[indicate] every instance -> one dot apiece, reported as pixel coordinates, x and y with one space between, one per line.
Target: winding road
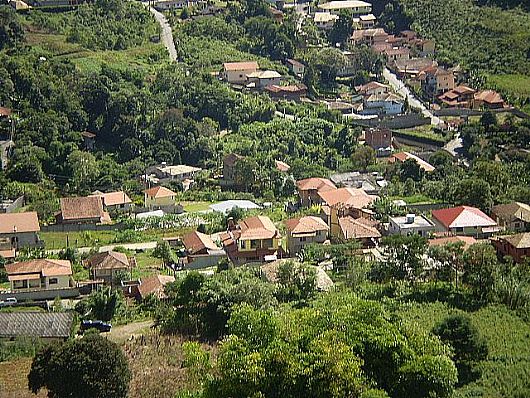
166 36
403 90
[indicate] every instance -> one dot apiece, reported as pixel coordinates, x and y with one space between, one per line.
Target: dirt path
121 333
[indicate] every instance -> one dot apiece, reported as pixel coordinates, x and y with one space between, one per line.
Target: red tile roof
82 208
304 225
353 197
114 198
196 241
44 266
236 66
154 285
462 216
282 166
5 111
489 97
19 222
258 227
108 260
159 192
358 228
315 183
467 240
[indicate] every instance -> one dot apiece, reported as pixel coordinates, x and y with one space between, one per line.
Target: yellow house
159 197
253 239
40 274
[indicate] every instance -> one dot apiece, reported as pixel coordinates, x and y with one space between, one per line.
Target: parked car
8 301
99 325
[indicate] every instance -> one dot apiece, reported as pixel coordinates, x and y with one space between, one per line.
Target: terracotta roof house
262 79
200 251
236 72
464 220
459 97
402 156
82 210
352 197
114 200
164 173
488 99
18 230
154 285
437 80
466 240
303 231
360 229
45 326
516 246
309 188
513 216
107 265
160 196
39 274
372 88
254 239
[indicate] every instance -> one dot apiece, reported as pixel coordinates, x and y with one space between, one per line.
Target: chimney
410 218
231 224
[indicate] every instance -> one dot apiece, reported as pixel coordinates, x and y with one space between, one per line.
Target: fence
82 227
42 294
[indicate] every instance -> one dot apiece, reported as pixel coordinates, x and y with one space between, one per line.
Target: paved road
129 246
166 35
403 90
454 147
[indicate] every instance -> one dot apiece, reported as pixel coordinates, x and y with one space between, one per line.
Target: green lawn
191 207
59 240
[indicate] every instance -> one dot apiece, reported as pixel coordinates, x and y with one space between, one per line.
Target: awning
488 230
23 277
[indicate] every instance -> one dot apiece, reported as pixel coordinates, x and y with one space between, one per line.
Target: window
254 244
52 281
459 229
267 243
303 239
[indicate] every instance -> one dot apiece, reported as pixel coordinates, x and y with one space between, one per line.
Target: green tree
362 157
469 347
85 368
404 257
101 304
295 281
83 169
474 192
11 30
480 266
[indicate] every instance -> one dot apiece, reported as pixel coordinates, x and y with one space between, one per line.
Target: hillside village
302 198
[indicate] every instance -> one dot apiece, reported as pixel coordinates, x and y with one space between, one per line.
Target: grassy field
519 85
424 132
191 207
148 57
58 240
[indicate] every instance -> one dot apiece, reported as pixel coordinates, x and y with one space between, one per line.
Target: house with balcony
39 274
325 20
309 189
108 266
254 239
303 231
355 7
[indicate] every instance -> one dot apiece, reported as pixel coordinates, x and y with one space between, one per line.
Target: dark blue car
99 325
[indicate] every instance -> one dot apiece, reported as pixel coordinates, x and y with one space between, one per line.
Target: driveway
166 36
414 103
